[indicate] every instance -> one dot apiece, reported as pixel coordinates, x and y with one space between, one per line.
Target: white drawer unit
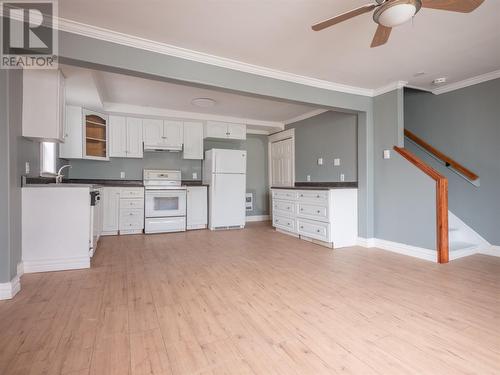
313 229
131 193
284 208
310 214
284 194
165 224
285 223
132 203
314 212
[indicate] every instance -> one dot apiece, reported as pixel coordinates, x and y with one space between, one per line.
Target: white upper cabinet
72 148
134 137
117 137
225 130
43 105
193 140
173 133
163 134
125 135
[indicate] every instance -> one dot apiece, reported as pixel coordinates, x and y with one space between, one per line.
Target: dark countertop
319 186
101 182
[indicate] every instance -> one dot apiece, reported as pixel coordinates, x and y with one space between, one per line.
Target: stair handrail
449 162
442 241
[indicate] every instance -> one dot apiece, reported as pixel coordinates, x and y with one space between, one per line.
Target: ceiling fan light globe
397 15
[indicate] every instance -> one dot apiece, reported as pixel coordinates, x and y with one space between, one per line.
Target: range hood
161 148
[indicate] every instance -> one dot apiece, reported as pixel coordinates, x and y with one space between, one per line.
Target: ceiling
276 34
99 89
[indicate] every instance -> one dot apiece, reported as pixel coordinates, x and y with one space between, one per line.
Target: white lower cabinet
328 216
123 210
196 210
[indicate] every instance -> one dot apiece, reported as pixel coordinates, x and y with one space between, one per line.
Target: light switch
342 177
336 162
122 174
27 167
387 154
195 176
320 161
308 178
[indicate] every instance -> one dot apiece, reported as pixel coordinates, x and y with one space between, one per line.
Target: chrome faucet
60 176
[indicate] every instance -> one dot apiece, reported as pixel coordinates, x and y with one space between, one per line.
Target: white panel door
281 163
110 209
230 161
72 148
227 206
237 131
134 138
193 140
152 131
117 137
173 133
216 129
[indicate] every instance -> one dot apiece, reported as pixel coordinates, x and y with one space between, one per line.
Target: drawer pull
318 211
317 196
301 195
301 227
288 208
302 209
317 230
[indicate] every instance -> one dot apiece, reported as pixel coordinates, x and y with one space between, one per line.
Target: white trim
492 250
280 136
306 115
257 131
137 110
467 82
10 289
20 269
257 218
400 248
184 53
31 266
390 87
276 137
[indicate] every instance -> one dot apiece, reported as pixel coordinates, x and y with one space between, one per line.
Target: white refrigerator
225 173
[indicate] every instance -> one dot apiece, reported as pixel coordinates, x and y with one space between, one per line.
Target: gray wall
405 197
257 169
10 181
133 167
328 135
464 124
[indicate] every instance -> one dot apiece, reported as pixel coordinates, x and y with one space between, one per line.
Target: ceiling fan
391 13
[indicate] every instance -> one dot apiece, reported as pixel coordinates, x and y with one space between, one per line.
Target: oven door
165 203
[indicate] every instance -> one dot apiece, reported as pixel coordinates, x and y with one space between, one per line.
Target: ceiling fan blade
381 36
462 6
344 16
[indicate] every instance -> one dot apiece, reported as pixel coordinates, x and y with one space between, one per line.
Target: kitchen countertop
319 186
80 182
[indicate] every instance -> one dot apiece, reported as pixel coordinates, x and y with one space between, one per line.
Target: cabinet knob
317 196
317 230
318 211
301 209
301 227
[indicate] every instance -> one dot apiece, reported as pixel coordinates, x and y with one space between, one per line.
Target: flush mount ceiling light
390 13
397 12
203 102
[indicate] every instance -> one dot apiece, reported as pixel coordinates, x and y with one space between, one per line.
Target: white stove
164 201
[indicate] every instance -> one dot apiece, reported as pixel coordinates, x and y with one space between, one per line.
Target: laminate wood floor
253 302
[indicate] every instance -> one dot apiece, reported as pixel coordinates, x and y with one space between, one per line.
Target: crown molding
390 87
467 82
306 115
137 110
167 49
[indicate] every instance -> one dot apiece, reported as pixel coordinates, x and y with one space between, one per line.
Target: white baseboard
492 250
32 266
257 218
400 248
20 269
10 289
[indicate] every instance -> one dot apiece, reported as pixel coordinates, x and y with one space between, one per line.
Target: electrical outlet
308 178
195 176
122 174
336 162
342 177
387 154
320 161
27 167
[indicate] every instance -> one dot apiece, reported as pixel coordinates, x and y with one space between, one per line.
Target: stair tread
460 245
